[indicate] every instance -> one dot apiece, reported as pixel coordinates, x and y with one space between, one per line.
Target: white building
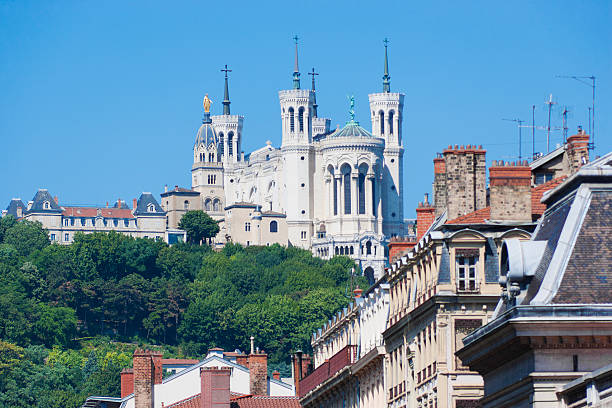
338 192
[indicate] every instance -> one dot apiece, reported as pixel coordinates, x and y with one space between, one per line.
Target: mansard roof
39 200
14 205
145 201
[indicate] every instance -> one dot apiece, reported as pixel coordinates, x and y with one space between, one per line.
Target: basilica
334 192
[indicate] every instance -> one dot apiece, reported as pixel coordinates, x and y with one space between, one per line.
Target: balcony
344 358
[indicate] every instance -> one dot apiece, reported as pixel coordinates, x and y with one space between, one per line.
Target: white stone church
335 192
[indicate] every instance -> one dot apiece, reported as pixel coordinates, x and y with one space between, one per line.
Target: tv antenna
550 103
581 79
519 123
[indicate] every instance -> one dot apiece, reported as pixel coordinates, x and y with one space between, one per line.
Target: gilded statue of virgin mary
206 103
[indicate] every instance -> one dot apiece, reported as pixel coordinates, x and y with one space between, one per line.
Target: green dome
352 129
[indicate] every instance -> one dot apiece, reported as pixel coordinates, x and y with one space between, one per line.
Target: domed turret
206 147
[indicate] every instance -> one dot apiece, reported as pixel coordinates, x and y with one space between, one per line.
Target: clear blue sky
100 100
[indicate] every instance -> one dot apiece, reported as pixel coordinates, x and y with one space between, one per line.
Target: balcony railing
345 357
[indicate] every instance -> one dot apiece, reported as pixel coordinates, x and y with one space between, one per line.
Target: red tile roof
242 401
265 401
191 402
476 217
537 208
92 212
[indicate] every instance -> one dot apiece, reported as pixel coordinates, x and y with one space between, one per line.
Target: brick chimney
258 372
242 359
466 176
144 378
134 204
399 245
296 368
215 387
306 359
510 191
425 217
127 382
439 185
578 150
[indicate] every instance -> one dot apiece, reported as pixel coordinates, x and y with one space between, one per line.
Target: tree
27 236
199 226
6 222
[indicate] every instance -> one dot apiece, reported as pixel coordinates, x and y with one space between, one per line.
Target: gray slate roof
143 203
39 200
13 205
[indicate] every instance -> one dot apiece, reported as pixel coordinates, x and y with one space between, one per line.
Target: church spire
314 93
226 100
386 76
296 70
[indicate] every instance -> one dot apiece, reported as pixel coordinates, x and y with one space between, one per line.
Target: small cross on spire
313 73
296 70
226 100
314 96
386 76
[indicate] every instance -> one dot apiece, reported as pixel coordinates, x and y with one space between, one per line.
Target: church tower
298 158
207 169
386 110
229 130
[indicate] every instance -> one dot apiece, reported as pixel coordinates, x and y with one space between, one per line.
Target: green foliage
198 225
64 309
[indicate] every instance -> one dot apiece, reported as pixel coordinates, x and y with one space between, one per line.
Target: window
369 248
381 116
347 192
303 234
373 196
291 120
230 144
82 222
72 222
335 197
186 205
208 204
151 207
217 205
116 223
362 204
467 260
126 223
66 237
541 178
247 226
221 146
301 118
391 122
93 222
52 237
66 222
46 205
273 226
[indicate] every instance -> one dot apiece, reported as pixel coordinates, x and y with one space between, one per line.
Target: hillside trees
199 226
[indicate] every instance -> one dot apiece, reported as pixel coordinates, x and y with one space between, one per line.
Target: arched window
373 181
151 207
301 118
341 250
361 194
369 248
381 115
217 205
46 205
391 122
346 181
291 120
351 250
186 205
273 226
208 204
230 144
221 146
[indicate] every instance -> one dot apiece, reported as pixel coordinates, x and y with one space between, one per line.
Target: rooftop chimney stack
510 191
426 214
439 185
127 382
145 376
578 150
215 387
466 174
258 371
134 204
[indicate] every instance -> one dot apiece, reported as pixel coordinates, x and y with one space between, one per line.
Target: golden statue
206 103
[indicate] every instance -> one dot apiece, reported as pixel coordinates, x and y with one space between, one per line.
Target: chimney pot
357 292
276 375
456 147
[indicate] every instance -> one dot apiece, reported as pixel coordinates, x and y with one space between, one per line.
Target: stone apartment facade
548 343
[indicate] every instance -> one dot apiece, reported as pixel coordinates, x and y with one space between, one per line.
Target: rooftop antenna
581 79
550 103
565 112
519 123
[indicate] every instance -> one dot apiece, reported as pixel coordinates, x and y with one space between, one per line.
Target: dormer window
46 205
150 208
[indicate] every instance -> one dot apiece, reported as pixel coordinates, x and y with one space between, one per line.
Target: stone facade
510 187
